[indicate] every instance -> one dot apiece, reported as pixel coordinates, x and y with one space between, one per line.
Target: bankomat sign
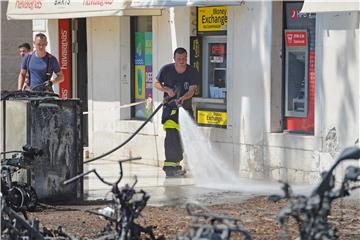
296 39
212 19
297 14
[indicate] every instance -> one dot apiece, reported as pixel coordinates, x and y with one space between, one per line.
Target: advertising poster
148 81
139 48
139 81
139 66
148 48
143 72
65 57
148 64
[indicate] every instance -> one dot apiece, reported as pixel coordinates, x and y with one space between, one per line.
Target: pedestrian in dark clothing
24 49
40 66
178 80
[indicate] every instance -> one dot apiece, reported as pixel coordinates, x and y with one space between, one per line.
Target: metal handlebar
99 177
311 213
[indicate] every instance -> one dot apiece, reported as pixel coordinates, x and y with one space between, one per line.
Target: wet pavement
172 191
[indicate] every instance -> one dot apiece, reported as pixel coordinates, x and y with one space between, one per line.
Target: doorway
81 74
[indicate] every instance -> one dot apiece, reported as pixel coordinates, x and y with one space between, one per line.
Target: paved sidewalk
172 191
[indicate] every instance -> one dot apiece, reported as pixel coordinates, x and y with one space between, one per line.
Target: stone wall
13 33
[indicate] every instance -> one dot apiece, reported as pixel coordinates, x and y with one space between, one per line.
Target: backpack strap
27 69
28 62
49 70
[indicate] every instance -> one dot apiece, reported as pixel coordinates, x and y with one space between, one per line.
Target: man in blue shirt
39 66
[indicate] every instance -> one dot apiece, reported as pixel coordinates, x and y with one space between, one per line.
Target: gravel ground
257 215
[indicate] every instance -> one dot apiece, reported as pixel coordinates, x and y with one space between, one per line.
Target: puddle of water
208 168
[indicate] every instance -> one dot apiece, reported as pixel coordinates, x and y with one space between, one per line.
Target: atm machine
296 73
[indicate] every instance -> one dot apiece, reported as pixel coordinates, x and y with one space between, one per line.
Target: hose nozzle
178 103
168 100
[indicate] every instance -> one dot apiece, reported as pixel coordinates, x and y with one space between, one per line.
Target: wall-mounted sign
296 14
60 9
218 49
65 57
212 19
215 118
216 59
296 38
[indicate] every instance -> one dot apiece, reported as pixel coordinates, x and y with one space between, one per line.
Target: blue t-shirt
38 68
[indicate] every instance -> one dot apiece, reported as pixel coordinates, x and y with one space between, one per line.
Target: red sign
99 3
65 57
28 4
218 49
297 39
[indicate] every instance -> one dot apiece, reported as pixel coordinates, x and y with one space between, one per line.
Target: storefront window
142 65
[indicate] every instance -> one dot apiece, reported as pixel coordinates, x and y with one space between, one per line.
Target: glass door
142 64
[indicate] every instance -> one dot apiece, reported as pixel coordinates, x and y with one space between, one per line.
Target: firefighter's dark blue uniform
180 83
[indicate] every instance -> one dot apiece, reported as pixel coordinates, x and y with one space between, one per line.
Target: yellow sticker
212 19
212 118
140 82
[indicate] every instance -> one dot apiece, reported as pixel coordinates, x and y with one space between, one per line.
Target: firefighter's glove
48 84
179 102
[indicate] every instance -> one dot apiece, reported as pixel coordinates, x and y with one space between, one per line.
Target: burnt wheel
31 199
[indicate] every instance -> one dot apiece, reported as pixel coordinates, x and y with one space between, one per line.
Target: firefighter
177 80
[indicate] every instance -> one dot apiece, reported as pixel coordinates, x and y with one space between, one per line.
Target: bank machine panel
296 73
